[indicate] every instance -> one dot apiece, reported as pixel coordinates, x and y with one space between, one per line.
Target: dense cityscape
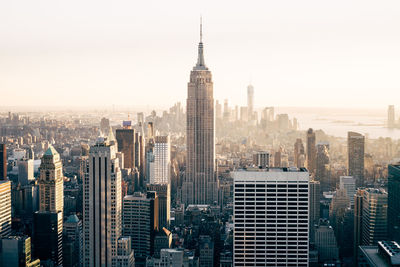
201 184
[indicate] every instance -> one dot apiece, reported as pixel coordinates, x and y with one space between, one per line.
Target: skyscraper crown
201 65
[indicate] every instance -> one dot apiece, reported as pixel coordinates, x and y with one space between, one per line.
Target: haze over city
199 134
295 53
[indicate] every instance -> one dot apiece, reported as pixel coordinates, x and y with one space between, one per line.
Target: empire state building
200 185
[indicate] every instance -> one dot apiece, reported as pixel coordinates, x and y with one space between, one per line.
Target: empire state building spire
200 59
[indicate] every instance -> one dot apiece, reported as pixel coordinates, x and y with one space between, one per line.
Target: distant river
338 122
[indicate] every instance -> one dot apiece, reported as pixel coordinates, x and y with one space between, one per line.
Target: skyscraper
250 101
271 212
261 159
200 185
311 151
140 221
391 120
349 184
394 201
358 219
15 251
299 153
355 149
374 218
314 206
164 202
3 162
102 204
5 208
126 144
51 182
322 170
160 167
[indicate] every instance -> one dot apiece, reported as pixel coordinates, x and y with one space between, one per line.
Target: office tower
126 139
140 221
340 203
322 171
244 114
51 182
311 151
391 121
261 159
271 212
348 183
25 171
394 201
3 162
299 153
206 250
160 168
73 234
314 206
374 216
140 141
250 101
355 149
200 185
102 205
358 220
5 208
325 241
125 256
164 202
16 251
104 125
47 236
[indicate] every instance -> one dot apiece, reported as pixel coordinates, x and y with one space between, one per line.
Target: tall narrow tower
250 101
200 185
51 183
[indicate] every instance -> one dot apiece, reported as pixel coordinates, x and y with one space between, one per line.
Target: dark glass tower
394 202
3 162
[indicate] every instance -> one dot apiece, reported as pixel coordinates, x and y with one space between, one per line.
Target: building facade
5 208
394 201
355 149
271 213
102 204
200 185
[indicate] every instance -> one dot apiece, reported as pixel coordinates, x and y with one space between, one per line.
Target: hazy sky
137 53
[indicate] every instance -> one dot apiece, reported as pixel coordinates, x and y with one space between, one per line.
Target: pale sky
136 53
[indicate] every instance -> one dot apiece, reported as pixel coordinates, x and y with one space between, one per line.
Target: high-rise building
391 120
125 256
73 233
355 149
160 167
126 140
200 185
140 221
250 102
51 182
25 171
3 162
15 251
271 212
5 208
164 202
322 171
374 216
47 236
218 110
348 183
394 201
299 153
206 251
261 159
358 220
325 241
314 206
102 204
311 151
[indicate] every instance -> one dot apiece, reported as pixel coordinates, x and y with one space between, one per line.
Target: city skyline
63 52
